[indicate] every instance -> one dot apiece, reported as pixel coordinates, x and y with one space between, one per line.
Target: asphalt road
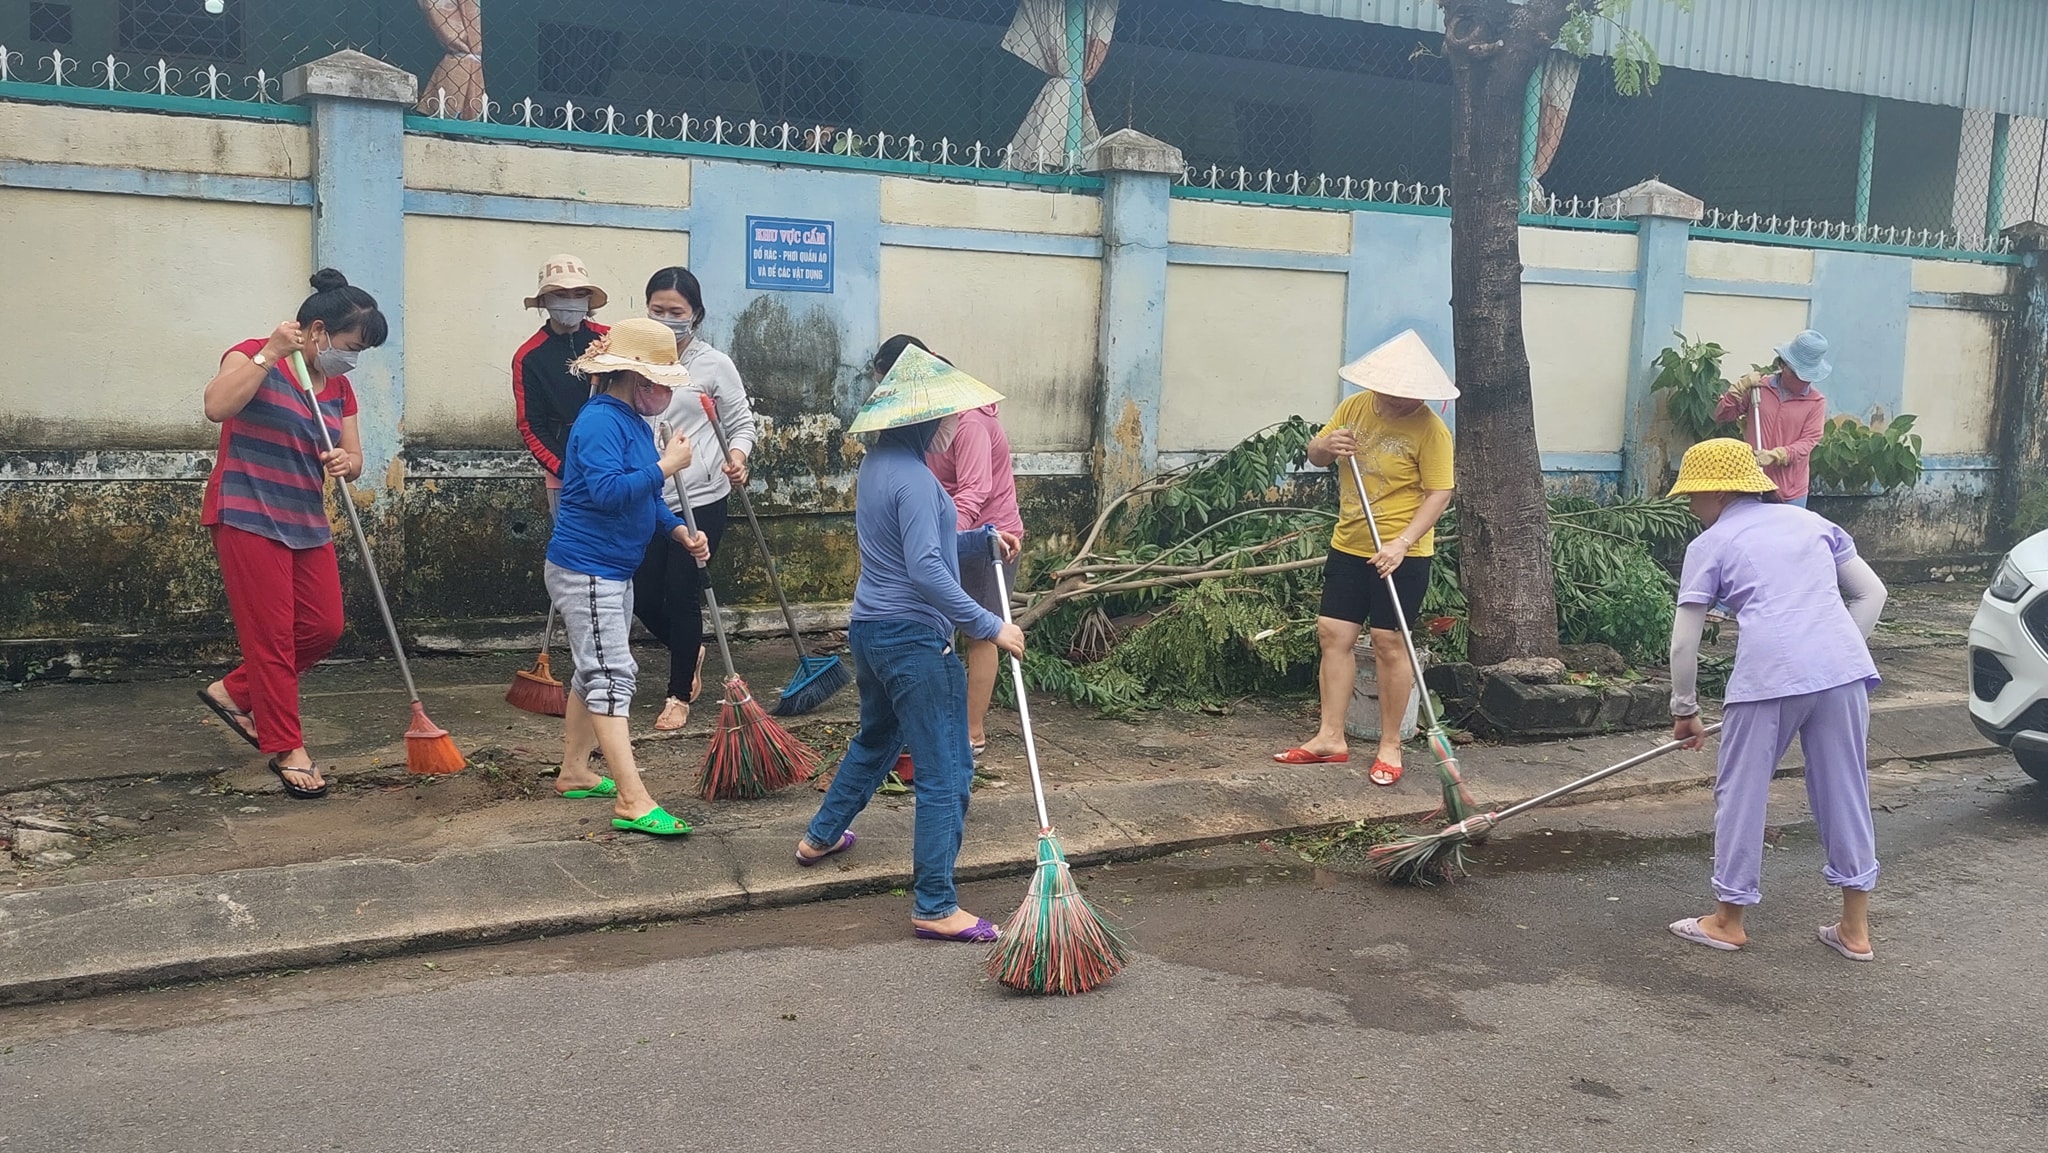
1538 1006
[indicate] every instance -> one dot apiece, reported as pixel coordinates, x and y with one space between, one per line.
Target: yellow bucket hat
1723 464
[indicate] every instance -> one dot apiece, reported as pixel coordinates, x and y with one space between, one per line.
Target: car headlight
2010 584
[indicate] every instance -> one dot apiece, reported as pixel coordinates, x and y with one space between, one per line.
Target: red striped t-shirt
267 478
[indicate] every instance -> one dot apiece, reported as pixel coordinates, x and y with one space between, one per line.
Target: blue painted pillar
1664 218
359 106
1137 174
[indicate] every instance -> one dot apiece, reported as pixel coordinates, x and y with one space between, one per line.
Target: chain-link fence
1257 99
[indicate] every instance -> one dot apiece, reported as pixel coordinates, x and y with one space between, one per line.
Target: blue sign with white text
789 255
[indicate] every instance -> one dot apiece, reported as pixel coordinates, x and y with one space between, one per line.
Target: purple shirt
1774 564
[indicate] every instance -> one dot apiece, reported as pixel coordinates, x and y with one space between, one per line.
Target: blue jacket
611 492
909 549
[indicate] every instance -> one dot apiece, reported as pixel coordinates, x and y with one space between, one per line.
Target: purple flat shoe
982 932
846 840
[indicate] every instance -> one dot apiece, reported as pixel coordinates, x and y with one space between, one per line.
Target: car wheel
2034 765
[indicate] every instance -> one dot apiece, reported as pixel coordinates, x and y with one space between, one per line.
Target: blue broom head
816 681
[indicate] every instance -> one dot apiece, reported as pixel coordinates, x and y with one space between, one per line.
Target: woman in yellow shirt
1404 451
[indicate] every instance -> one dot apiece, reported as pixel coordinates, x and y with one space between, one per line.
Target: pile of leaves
1201 586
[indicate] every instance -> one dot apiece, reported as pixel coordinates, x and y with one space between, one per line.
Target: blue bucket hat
1807 356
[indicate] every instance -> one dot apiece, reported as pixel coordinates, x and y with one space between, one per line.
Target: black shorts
1354 591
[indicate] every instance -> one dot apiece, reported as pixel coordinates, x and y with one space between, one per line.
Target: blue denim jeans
913 691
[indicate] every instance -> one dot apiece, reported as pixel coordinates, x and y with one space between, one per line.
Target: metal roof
1988 54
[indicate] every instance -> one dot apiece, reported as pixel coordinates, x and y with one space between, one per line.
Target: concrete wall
186 233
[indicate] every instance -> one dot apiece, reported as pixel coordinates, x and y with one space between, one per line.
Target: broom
536 690
749 754
1426 859
816 678
1457 803
1055 942
429 750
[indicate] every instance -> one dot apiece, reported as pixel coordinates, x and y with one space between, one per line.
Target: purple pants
1833 726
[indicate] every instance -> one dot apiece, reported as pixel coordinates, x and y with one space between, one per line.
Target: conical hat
1402 367
920 387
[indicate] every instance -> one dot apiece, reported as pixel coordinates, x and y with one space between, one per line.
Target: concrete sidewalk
190 862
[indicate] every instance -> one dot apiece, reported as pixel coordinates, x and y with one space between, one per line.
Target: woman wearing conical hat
906 606
1807 604
1404 451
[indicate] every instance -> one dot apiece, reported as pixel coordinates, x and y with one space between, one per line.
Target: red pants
287 608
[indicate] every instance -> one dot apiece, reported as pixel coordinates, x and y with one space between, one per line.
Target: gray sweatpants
597 616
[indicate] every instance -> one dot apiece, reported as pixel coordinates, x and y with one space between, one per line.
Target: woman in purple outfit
1807 604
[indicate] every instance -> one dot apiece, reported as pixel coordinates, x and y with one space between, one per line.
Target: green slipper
606 787
656 821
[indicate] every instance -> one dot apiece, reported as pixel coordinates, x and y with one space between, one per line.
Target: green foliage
1250 474
1219 640
2030 513
1853 457
1690 377
1634 58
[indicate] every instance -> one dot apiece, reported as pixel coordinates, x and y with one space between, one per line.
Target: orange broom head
536 690
1056 944
750 755
429 750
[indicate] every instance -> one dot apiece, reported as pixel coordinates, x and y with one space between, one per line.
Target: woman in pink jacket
974 467
1793 412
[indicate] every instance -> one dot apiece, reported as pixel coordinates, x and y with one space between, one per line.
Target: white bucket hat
1402 367
1807 356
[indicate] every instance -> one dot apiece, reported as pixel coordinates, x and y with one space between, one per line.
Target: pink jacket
1793 423
975 470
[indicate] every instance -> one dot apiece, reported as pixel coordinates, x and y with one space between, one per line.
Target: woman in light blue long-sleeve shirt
906 606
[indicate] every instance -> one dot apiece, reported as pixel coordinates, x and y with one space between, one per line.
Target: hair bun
328 279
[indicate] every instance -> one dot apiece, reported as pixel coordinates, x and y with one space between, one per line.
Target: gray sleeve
734 407
1862 591
1686 629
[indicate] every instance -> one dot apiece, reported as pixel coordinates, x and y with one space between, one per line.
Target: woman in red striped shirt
266 508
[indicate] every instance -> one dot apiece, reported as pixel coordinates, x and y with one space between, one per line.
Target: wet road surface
1275 1005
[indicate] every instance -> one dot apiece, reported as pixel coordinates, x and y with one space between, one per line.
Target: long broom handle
355 523
710 597
1400 614
1596 778
1756 415
760 538
995 547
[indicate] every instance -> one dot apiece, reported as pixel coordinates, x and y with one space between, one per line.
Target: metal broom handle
1603 774
1400 613
663 434
774 577
355 523
995 548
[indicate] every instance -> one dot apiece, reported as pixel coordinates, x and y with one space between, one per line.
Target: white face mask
566 311
949 427
682 326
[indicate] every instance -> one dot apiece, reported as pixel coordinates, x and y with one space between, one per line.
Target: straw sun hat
564 272
637 345
1723 464
1402 367
920 387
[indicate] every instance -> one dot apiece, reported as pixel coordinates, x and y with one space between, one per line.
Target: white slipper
1689 928
1831 936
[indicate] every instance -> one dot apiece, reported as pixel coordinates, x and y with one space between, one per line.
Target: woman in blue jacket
612 477
906 606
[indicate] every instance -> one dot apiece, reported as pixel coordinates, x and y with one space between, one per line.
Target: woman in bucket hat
1808 604
546 396
906 606
611 504
1404 451
1792 412
266 509
669 588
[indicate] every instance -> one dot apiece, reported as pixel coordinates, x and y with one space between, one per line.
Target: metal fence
1263 103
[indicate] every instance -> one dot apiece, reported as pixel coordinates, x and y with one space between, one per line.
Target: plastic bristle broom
1055 943
536 690
429 750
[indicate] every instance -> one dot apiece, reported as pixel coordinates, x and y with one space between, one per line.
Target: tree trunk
1494 47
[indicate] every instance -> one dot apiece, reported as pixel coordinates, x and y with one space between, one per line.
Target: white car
2009 657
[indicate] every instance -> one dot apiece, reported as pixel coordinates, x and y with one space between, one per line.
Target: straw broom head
750 756
1056 943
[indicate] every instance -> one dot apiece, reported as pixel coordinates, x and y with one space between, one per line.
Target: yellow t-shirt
1402 459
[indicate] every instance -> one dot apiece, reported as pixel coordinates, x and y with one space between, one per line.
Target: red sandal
1299 756
1380 768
